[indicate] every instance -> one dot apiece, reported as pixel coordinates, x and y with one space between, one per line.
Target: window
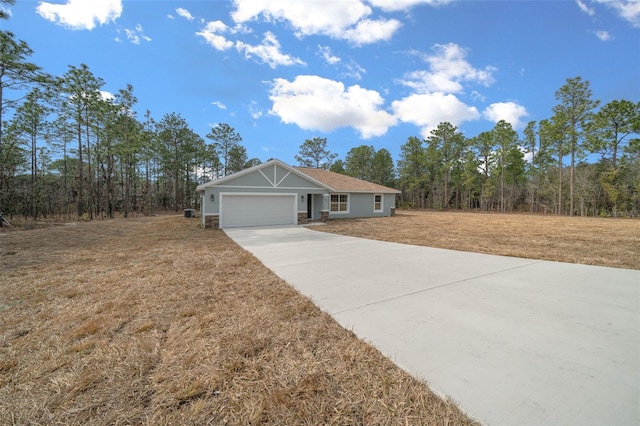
340 203
377 203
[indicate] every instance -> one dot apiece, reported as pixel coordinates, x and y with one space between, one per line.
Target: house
275 193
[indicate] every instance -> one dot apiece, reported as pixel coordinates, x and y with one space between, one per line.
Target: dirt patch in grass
155 321
591 241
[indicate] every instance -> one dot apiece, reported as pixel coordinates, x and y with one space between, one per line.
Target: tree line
68 150
580 161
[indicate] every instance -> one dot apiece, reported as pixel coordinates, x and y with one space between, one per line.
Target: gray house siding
270 180
362 205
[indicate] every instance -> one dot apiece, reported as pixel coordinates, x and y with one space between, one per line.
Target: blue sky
355 72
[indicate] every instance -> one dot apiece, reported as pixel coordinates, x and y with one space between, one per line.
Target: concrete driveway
513 341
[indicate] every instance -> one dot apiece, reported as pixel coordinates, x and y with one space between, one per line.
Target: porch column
324 213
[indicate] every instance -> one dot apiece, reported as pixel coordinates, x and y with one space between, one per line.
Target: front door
309 206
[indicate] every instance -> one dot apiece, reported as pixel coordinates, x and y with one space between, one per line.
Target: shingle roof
331 180
343 183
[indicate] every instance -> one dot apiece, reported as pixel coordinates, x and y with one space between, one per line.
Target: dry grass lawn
155 321
591 241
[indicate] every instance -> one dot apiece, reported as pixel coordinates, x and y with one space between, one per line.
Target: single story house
274 193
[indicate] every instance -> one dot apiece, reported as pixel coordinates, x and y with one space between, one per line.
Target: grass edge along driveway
584 240
156 321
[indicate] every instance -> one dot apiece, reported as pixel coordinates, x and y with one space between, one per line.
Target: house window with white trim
340 203
377 203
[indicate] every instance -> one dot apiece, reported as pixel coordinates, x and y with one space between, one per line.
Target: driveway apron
513 341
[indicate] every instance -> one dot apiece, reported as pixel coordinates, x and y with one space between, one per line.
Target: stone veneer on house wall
302 218
212 221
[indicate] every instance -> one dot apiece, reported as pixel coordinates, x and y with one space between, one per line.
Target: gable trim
275 182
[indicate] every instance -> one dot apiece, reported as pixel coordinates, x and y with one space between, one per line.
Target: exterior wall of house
270 180
275 179
362 205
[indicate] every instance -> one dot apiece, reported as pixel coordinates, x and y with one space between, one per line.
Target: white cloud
586 9
255 110
219 105
184 13
428 110
325 53
477 96
81 14
628 10
603 35
316 103
269 52
136 35
350 69
107 96
511 112
368 31
309 17
211 35
528 155
344 19
395 5
353 70
132 36
448 69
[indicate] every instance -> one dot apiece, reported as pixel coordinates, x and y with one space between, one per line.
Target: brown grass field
585 240
155 321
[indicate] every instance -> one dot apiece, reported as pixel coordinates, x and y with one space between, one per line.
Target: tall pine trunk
80 177
559 212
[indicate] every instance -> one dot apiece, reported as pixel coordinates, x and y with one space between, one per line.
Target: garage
257 209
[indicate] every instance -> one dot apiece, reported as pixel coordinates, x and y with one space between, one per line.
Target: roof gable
272 174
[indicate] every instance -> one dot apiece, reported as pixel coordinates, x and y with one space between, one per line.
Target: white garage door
257 210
